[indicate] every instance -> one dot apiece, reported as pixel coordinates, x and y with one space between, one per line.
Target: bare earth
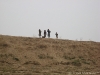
43 56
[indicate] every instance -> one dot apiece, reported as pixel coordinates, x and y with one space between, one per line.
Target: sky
72 19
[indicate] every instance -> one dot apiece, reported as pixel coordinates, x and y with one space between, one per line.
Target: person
48 33
44 33
40 33
56 35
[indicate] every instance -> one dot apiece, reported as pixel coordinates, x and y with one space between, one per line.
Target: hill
46 56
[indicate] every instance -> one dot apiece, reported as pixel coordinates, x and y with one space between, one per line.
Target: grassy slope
48 56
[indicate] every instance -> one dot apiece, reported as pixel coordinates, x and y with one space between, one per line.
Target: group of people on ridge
46 33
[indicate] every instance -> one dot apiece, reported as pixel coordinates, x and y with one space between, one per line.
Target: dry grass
42 56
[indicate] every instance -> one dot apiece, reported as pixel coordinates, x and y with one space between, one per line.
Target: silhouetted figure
48 33
40 33
56 35
45 33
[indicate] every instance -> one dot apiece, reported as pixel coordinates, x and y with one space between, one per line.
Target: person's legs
44 35
48 35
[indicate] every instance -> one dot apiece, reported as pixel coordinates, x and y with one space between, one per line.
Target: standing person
56 35
40 33
44 33
48 33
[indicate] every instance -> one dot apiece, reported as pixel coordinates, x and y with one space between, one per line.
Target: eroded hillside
43 56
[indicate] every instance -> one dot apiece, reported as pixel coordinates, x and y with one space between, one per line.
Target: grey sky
72 19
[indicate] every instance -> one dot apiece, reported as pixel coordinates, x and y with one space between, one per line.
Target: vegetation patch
32 62
15 58
65 63
28 74
73 46
36 63
84 60
55 63
93 62
3 44
68 57
42 46
9 55
42 56
45 56
5 56
76 62
81 57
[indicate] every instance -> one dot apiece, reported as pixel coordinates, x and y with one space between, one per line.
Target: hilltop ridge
47 56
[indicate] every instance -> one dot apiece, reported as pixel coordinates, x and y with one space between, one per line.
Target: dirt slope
39 56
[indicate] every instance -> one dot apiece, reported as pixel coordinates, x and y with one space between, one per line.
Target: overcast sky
72 19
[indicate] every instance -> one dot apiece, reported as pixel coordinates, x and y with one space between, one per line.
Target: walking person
48 33
40 33
56 35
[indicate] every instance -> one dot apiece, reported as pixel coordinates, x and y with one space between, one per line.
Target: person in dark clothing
48 33
40 33
56 35
44 33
